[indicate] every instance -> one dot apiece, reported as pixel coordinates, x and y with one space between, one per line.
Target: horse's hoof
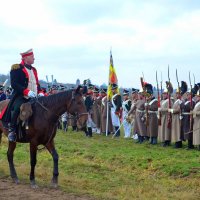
16 180
54 185
34 185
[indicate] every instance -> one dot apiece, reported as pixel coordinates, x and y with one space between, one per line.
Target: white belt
141 111
185 113
150 111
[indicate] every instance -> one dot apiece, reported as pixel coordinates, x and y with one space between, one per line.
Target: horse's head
77 107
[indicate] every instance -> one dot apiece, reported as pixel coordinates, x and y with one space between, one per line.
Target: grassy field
106 168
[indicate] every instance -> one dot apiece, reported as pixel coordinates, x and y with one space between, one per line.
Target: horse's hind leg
11 148
33 155
53 152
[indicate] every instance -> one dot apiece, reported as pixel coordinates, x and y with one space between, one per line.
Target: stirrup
12 137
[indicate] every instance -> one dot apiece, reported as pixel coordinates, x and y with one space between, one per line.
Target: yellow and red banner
112 77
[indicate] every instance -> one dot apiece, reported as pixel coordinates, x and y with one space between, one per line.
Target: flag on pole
112 77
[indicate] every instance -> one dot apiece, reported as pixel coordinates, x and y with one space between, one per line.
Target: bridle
77 115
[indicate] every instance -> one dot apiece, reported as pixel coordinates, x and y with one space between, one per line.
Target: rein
77 116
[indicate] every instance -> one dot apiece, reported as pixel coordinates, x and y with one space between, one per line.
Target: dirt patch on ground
11 191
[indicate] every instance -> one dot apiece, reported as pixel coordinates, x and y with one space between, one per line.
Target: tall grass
106 168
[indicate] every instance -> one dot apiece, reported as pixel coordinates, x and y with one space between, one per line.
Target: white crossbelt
150 111
185 113
141 111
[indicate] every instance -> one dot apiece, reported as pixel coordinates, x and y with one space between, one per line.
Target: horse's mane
54 98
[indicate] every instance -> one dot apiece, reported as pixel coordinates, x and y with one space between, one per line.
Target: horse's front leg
11 148
51 148
33 161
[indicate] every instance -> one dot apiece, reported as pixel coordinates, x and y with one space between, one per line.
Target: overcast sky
72 38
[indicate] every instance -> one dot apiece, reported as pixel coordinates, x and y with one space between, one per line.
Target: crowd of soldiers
170 118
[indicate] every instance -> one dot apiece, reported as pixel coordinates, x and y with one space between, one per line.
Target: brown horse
43 126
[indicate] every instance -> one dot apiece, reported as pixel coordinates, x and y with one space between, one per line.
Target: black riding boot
12 133
89 131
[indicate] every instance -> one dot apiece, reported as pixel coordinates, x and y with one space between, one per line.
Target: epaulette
15 66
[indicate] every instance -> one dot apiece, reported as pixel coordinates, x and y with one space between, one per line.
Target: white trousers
115 118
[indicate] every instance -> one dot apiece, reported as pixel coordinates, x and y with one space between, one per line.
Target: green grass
106 168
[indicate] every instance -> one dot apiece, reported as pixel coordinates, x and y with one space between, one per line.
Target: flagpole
107 114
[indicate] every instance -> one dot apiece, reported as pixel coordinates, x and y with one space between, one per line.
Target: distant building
78 82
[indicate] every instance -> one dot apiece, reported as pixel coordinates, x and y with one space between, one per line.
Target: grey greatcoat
96 112
140 126
152 128
104 116
196 126
176 122
164 133
131 113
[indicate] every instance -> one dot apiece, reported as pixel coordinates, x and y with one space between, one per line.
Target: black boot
166 143
190 145
74 128
117 130
12 133
85 130
154 140
140 139
89 131
151 140
178 144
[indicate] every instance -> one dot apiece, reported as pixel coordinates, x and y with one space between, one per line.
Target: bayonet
177 81
194 79
51 79
191 104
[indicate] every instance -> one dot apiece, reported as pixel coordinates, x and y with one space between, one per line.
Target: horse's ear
82 89
78 89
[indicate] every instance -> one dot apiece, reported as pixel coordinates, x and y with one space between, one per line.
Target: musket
178 83
51 79
48 87
191 104
169 116
146 107
161 85
159 113
5 82
194 79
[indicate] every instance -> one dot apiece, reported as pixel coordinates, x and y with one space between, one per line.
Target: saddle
22 122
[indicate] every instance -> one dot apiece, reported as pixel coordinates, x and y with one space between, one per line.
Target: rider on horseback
24 81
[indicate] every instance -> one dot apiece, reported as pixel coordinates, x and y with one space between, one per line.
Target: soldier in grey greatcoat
139 124
196 126
152 109
104 106
96 110
176 111
164 133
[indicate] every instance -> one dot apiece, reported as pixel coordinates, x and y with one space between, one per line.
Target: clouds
73 38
